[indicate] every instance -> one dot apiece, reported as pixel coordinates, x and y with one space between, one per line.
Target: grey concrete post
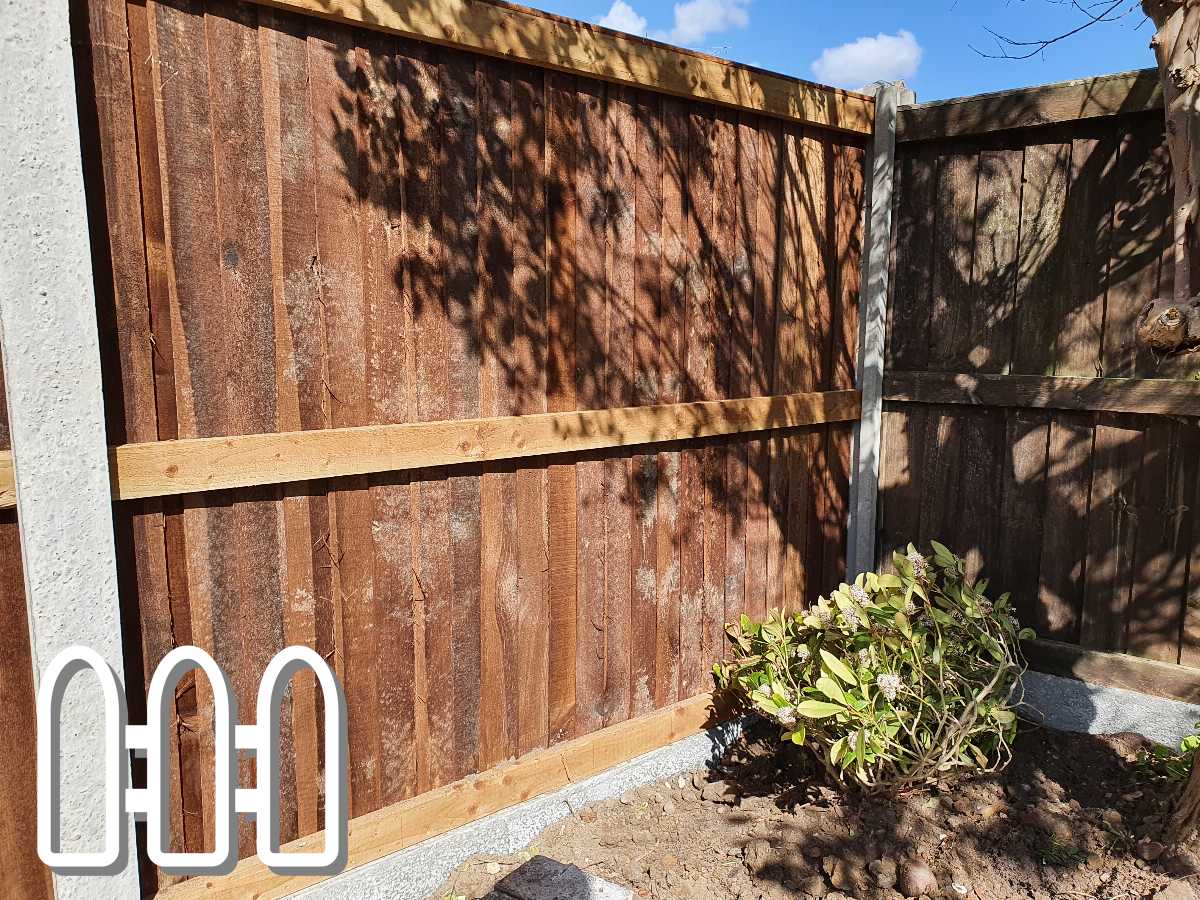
55 411
864 473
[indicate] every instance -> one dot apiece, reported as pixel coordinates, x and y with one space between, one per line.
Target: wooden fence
581 356
1023 426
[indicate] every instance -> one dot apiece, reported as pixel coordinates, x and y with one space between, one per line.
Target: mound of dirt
1071 817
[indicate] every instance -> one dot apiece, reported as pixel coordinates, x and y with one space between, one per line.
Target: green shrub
895 681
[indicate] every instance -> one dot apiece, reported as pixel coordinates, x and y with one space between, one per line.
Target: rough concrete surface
1071 705
56 411
415 873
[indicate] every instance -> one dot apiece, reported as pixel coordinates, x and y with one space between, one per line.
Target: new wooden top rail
541 39
164 468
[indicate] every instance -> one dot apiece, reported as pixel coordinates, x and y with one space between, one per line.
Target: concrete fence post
55 411
864 472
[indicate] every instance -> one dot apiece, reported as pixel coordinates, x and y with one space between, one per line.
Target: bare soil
1073 816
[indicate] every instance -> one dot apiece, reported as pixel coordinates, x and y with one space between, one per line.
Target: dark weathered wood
1119 670
1131 395
1080 304
1112 533
1022 508
1068 101
385 233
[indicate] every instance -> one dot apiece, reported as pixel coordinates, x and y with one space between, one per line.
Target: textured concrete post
864 476
56 416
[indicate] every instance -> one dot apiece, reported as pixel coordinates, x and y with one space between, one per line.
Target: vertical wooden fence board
589 388
529 302
1079 318
499 599
187 141
562 140
647 388
735 257
298 726
909 305
953 325
243 222
459 181
1022 508
1040 271
1064 542
764 541
994 262
618 391
671 346
1140 216
698 376
847 202
709 323
1155 617
1112 530
302 225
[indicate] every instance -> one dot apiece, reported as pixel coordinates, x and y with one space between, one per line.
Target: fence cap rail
1066 101
568 45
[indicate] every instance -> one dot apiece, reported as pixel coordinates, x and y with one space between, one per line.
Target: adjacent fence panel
24 876
302 225
1030 252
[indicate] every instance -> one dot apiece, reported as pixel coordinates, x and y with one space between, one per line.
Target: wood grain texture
546 308
1068 101
533 775
1054 443
568 45
1128 395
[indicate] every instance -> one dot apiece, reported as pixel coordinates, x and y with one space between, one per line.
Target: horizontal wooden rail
1131 395
163 468
1068 101
1118 670
406 823
542 39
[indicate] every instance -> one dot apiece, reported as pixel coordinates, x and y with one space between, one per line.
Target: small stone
628 799
698 780
1150 850
493 868
670 861
587 815
1112 817
668 808
916 879
814 886
718 792
884 871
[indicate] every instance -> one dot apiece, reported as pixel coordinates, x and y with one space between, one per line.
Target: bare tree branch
1011 48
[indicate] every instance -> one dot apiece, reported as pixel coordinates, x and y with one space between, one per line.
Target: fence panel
302 225
1025 252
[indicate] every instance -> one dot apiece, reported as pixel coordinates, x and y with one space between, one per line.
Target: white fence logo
151 803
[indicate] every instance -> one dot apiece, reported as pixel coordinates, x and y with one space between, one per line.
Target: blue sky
927 43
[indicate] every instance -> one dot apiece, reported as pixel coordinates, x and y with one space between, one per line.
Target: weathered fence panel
302 225
24 877
1030 252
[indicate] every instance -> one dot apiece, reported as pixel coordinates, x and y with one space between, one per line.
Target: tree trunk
1176 43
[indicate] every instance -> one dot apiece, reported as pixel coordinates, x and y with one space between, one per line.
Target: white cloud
885 57
697 19
623 17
